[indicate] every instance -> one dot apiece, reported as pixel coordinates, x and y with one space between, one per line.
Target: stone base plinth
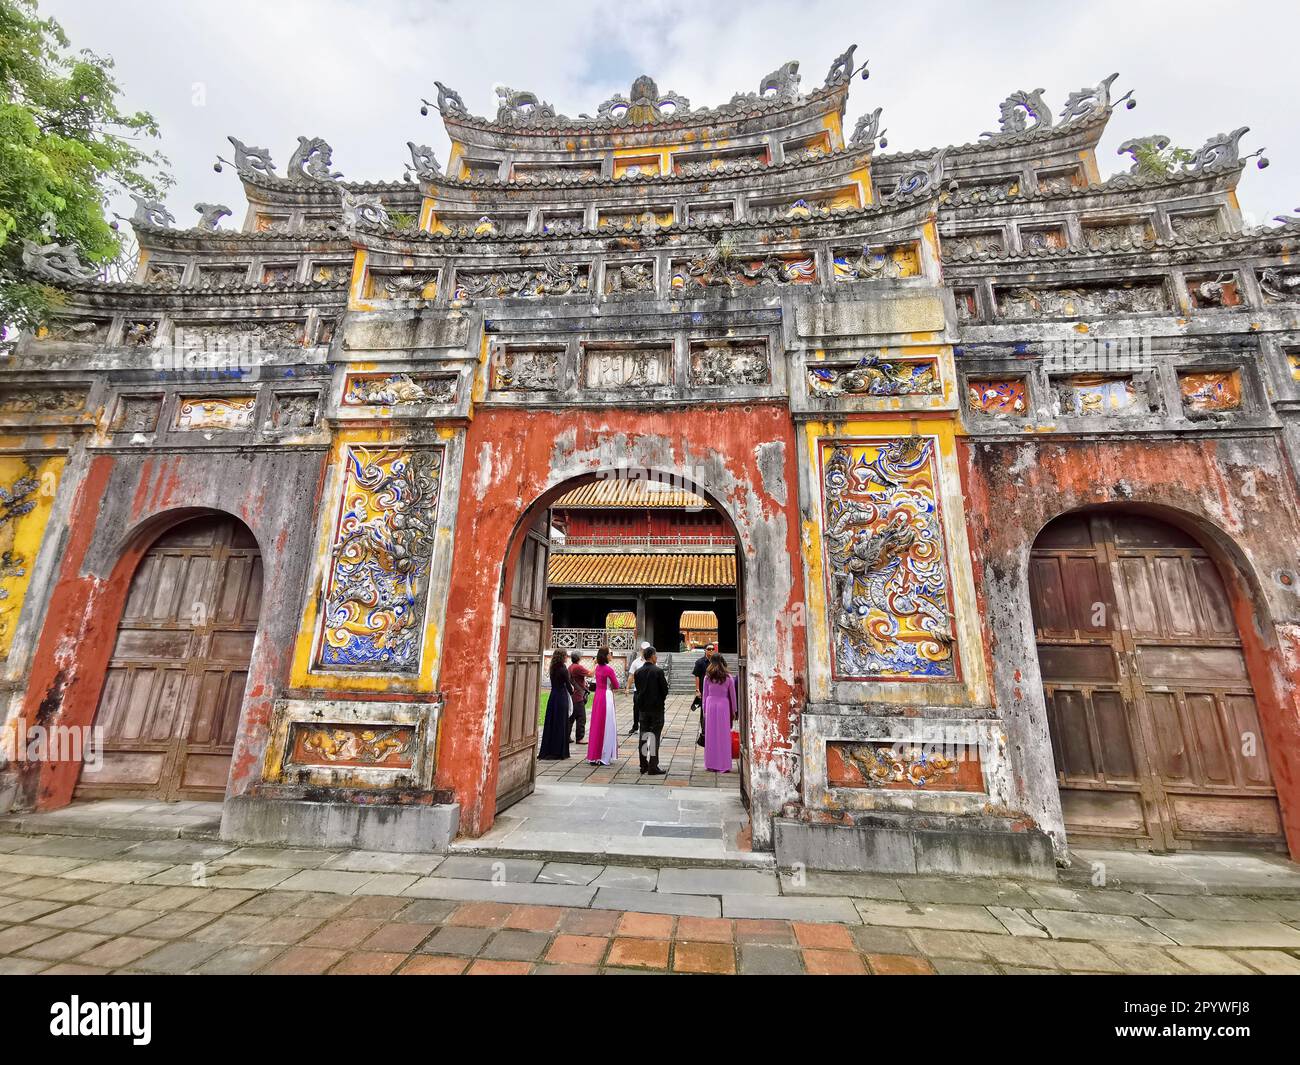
377 827
958 846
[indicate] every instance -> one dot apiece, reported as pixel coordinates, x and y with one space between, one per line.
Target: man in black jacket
701 667
648 704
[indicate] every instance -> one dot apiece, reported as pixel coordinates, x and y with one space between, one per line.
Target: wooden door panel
169 710
525 641
1156 713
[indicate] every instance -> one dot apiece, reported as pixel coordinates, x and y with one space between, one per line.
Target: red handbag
735 744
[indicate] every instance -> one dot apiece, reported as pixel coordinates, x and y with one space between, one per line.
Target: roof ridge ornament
926 178
841 71
312 161
363 211
520 107
249 162
1086 103
1017 110
423 164
150 212
59 263
868 134
1221 152
210 214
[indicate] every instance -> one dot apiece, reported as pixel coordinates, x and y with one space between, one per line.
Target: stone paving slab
656 902
924 915
1117 928
1204 933
789 909
717 882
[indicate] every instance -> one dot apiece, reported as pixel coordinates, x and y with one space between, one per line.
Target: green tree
65 149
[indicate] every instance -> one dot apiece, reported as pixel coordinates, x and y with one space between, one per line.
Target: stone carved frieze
265 334
723 267
1280 285
1195 227
555 278
137 414
1086 103
42 401
164 275
885 562
398 389
379 558
876 264
1024 110
150 212
874 376
972 245
1218 153
424 164
730 363
629 277
140 332
526 370
294 410
1075 302
403 284
1120 236
77 330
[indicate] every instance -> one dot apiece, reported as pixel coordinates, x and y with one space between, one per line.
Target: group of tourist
571 682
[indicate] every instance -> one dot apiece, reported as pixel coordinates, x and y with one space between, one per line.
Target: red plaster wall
1013 489
521 446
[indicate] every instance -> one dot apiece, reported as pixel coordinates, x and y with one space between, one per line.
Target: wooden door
171 701
1153 721
742 683
526 639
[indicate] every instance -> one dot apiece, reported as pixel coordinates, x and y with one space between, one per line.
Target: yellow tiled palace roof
640 571
630 492
699 619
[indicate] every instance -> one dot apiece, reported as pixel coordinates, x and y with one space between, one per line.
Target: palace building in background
982 457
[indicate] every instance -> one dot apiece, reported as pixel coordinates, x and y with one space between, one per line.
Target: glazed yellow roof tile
630 492
698 619
640 571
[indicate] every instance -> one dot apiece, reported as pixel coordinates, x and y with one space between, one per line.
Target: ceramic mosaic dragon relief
886 570
379 561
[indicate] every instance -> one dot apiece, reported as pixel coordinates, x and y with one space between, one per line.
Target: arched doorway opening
1152 715
684 558
170 705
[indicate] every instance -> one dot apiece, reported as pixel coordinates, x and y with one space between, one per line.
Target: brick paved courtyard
132 896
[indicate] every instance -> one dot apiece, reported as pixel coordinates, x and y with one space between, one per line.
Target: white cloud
354 72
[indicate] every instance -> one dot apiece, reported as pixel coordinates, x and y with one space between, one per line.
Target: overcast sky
353 72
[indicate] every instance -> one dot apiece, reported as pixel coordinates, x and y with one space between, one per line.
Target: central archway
526 603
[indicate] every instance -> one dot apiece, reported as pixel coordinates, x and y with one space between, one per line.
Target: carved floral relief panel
720 268
1210 392
380 552
886 571
227 413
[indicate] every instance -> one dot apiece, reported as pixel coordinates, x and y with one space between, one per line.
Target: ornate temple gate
530 619
1153 719
171 700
